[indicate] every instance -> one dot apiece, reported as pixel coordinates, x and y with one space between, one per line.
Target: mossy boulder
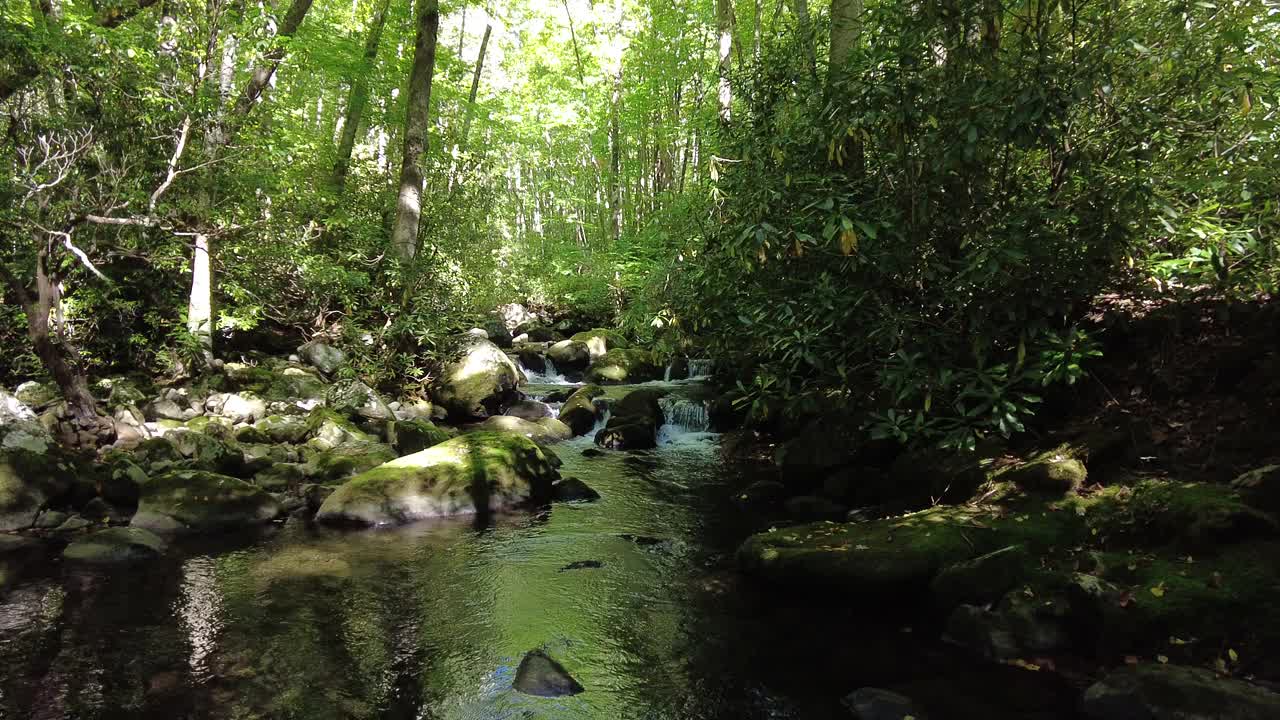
122 481
115 546
901 555
600 341
1260 487
355 399
1056 472
529 410
1188 514
276 382
532 359
544 431
36 394
20 428
206 452
202 501
243 407
477 472
157 455
569 356
275 429
624 366
579 412
280 477
327 429
477 380
323 356
633 422
983 579
345 461
1170 691
411 436
29 481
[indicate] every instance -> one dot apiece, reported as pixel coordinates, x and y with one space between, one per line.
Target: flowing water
635 594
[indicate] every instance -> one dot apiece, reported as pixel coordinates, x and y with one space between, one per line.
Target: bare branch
178 149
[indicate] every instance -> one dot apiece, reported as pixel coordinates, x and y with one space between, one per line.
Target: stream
635 594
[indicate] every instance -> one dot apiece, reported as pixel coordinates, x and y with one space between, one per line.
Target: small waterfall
682 416
701 368
550 376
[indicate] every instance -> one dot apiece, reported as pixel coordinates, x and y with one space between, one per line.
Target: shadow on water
634 594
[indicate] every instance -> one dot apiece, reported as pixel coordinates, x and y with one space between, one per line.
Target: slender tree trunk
475 85
724 33
265 70
200 303
359 96
404 234
804 23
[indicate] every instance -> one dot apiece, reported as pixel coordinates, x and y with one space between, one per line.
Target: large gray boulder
569 355
354 398
1172 692
477 380
29 481
19 426
322 356
477 472
200 501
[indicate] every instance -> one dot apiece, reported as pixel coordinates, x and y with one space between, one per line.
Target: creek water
635 594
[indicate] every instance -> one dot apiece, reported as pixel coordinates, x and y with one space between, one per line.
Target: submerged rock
1172 692
477 381
477 472
540 675
115 546
571 489
877 704
202 501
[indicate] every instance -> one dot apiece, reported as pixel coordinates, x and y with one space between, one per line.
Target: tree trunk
846 18
804 24
359 96
615 157
264 71
724 33
475 85
200 304
404 234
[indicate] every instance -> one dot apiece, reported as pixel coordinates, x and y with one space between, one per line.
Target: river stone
275 429
477 380
355 399
327 429
206 452
115 546
544 431
237 407
345 461
1171 692
579 411
19 426
123 482
540 675
600 341
529 410
323 356
624 366
165 409
202 501
481 471
878 704
532 359
498 333
35 394
569 355
622 435
571 489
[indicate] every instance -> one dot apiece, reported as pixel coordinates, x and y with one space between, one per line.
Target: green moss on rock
623 366
579 411
483 471
202 501
115 546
